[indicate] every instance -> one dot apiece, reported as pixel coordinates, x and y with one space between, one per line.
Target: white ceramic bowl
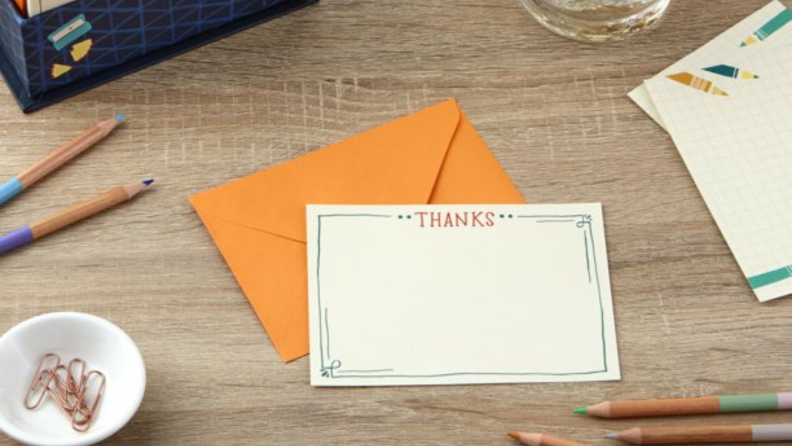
103 346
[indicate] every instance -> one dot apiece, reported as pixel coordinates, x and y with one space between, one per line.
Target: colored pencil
71 215
58 158
531 439
768 28
704 434
697 83
766 402
732 72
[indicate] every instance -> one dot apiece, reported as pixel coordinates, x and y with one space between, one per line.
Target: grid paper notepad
729 111
720 48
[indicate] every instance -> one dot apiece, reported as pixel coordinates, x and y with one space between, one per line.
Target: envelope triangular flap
270 270
397 163
472 174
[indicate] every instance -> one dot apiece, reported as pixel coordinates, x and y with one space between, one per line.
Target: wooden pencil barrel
696 435
80 211
62 155
549 440
664 407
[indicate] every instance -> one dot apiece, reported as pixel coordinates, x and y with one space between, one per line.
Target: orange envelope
258 222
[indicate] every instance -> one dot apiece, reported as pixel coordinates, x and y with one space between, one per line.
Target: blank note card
731 119
429 295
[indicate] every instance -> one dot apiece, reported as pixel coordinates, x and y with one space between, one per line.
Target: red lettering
490 219
470 219
462 219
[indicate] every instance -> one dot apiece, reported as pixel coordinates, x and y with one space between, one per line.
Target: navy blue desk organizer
83 44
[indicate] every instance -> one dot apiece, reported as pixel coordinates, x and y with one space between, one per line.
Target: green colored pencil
766 402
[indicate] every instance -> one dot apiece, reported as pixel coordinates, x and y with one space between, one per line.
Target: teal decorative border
770 277
332 368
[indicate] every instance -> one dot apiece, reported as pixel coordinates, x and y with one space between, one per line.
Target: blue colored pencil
58 158
71 215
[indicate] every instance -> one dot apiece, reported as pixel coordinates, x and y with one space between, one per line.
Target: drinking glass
596 20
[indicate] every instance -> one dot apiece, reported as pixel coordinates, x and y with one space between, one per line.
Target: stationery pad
466 294
737 149
722 48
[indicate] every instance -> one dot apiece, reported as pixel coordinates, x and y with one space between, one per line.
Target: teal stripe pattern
770 277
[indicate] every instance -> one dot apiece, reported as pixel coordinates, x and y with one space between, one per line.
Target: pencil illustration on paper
697 83
732 72
769 28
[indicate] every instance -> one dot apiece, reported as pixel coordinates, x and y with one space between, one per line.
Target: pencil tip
612 436
581 410
514 434
120 118
148 182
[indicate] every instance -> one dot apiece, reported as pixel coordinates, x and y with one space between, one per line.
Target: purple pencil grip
14 240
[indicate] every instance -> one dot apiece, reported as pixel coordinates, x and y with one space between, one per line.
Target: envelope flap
397 163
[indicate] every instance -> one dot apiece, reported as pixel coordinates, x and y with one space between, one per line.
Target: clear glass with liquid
597 20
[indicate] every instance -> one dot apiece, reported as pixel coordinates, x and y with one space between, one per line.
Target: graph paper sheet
730 114
721 48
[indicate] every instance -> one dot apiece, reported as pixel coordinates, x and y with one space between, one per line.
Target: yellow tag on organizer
59 70
80 50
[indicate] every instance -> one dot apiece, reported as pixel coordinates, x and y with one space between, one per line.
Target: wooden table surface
556 114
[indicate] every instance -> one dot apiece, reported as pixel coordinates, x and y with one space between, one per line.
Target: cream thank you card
470 294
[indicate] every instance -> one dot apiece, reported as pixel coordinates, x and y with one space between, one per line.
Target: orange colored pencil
71 215
704 434
58 158
533 439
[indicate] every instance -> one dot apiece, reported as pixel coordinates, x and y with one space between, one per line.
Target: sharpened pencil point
612 436
120 118
581 410
148 182
514 434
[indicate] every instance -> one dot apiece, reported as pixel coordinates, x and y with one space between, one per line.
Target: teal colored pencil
732 72
769 28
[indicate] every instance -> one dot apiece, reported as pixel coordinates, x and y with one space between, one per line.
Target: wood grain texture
555 112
